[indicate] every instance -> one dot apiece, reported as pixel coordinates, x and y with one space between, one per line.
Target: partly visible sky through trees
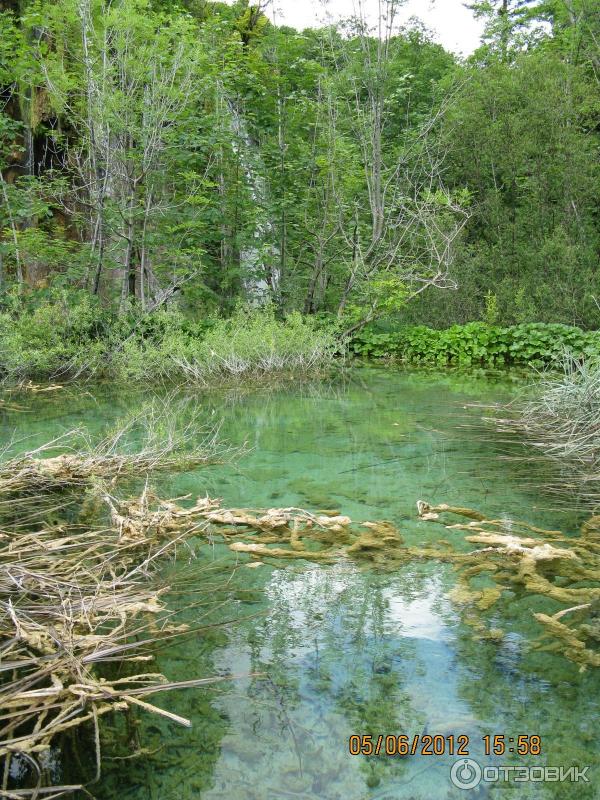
453 24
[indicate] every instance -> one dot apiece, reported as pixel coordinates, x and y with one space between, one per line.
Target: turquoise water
319 653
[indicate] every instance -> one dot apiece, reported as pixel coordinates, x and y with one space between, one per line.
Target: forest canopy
197 155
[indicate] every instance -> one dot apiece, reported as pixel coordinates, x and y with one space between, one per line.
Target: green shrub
72 335
477 343
256 343
54 337
62 334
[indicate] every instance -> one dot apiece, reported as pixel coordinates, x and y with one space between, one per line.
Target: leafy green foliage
250 344
199 152
65 336
526 146
477 343
54 337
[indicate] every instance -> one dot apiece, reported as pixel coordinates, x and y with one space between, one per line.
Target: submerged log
512 558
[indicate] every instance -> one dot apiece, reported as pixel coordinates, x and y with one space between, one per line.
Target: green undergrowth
66 338
478 343
73 336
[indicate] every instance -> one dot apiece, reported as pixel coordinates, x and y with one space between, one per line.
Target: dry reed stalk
71 599
74 596
559 422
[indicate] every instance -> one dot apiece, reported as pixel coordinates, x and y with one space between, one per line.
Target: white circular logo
466 774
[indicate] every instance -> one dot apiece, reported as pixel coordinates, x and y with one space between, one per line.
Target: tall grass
254 344
560 422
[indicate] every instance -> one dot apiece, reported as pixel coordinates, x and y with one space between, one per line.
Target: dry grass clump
85 590
72 598
560 422
150 440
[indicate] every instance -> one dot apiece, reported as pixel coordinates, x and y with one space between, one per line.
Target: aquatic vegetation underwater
517 556
521 557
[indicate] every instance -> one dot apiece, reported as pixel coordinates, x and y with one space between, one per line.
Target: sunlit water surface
324 652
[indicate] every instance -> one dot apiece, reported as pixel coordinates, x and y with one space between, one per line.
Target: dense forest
195 155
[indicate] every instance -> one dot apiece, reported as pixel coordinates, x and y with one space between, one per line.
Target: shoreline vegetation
534 345
65 341
558 423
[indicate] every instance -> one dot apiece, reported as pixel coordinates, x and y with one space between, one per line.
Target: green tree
519 138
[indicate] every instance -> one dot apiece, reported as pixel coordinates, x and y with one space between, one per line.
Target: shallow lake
319 653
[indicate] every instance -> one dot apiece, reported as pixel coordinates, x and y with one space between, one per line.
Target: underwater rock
591 527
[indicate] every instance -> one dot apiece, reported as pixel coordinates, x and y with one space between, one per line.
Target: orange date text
403 745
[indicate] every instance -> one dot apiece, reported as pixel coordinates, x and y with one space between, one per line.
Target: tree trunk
127 267
13 229
309 302
100 258
504 31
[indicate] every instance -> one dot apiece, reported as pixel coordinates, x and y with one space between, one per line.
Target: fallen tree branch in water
533 565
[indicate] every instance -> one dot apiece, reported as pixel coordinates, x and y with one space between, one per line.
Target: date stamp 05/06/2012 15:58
438 745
